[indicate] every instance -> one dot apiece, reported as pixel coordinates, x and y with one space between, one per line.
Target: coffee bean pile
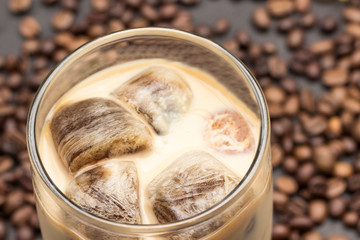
314 137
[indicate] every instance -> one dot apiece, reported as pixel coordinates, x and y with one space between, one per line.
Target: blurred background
305 55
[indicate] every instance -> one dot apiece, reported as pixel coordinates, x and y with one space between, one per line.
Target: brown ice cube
192 184
159 94
93 129
227 131
109 191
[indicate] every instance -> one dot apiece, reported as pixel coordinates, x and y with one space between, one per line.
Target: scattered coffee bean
261 18
286 184
337 207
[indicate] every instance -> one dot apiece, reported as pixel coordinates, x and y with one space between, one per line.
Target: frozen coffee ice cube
193 183
109 191
159 94
227 131
96 128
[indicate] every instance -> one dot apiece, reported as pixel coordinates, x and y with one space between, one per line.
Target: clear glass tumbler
246 213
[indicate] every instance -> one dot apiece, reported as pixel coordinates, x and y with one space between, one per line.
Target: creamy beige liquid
185 134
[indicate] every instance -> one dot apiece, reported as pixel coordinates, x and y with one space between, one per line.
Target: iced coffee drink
153 149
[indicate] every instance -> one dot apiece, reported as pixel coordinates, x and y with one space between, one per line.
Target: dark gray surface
238 12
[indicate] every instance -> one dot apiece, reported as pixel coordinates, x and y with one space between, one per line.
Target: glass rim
156 32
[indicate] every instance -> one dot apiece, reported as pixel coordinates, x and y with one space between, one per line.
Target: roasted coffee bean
100 5
337 207
290 165
343 169
302 6
221 26
302 152
19 6
337 237
24 233
313 70
280 199
295 38
13 201
277 67
286 24
318 211
277 155
301 223
63 20
313 235
305 172
335 187
261 18
280 8
351 218
308 20
280 232
29 27
351 14
322 46
297 206
22 215
317 186
328 24
324 159
286 184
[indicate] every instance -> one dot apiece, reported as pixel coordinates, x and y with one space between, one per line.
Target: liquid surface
185 134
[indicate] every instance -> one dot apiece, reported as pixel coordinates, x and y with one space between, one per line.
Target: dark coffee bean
301 223
328 24
168 11
343 169
12 62
353 29
327 61
47 47
31 46
351 14
322 47
354 183
19 6
318 211
286 184
14 80
335 187
221 26
277 67
290 165
149 12
349 145
100 5
261 18
351 218
308 20
317 186
313 235
13 201
274 94
324 159
352 105
96 30
71 5
276 155
302 6
337 237
280 232
297 206
29 27
294 235
313 125
280 199
24 233
337 207
63 20
286 24
3 229
295 38
243 39
289 85
313 70
280 8
203 30
22 215
303 153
